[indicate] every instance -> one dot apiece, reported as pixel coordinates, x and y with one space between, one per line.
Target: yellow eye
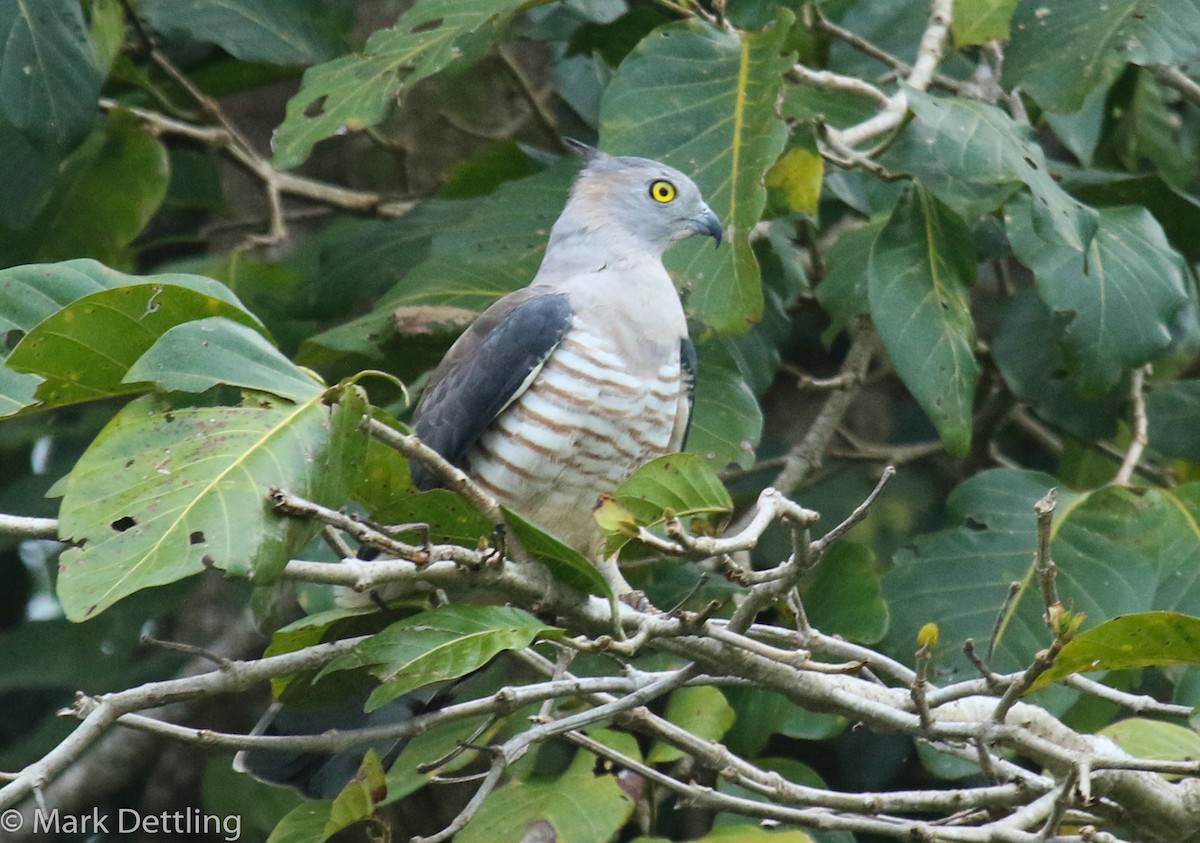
662 191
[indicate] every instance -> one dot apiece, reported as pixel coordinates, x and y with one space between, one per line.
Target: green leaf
920 271
357 800
1061 49
49 78
1155 739
974 157
681 485
1117 552
443 643
1148 129
576 807
278 31
356 92
843 290
980 21
85 349
27 171
1171 410
1178 213
566 564
797 177
703 100
1130 641
165 492
844 596
410 771
304 824
727 420
761 714
105 194
959 577
701 710
196 356
17 391
1121 297
1030 353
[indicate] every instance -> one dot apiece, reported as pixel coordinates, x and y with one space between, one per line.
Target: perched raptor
551 397
558 391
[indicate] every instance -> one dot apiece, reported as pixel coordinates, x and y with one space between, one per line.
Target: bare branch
27 527
1141 437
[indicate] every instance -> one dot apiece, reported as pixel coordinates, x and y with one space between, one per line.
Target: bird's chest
589 418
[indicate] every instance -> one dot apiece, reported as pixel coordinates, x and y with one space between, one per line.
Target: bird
556 393
551 398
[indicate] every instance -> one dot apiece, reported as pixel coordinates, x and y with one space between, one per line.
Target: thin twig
1141 437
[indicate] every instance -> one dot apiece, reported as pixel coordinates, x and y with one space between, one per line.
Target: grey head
647 201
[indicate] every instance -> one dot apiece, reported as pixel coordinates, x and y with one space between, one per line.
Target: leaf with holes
975 158
918 281
443 643
703 100
1118 552
85 349
198 355
165 492
1062 49
355 92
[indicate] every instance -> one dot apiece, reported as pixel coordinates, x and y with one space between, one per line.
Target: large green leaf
165 492
1137 640
27 171
1121 297
727 421
920 271
959 577
355 92
1062 49
196 356
676 485
701 710
566 564
29 294
443 643
1145 738
1172 409
461 254
974 157
703 100
574 807
105 193
844 597
85 349
1030 353
279 31
1117 552
49 75
843 290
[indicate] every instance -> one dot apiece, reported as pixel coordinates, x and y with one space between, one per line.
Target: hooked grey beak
707 223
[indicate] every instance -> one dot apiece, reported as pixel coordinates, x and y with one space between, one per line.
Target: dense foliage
961 240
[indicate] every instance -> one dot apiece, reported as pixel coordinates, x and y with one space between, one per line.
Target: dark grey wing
687 369
491 364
